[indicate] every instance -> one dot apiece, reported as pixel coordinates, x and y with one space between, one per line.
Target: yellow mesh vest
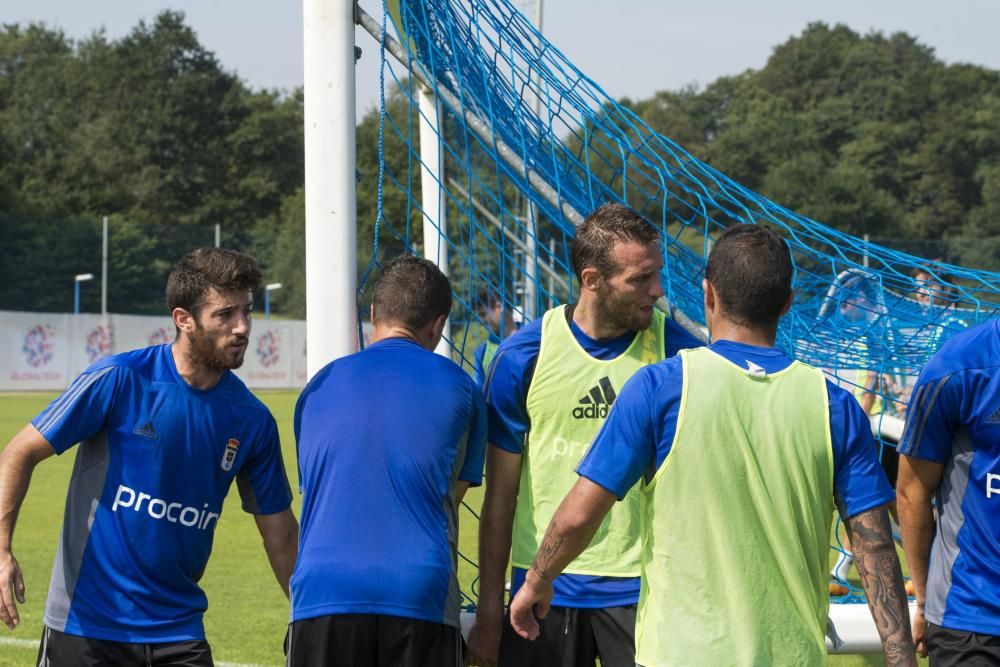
736 537
569 398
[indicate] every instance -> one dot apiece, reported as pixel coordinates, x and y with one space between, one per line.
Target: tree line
871 134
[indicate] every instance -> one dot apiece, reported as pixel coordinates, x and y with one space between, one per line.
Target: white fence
45 351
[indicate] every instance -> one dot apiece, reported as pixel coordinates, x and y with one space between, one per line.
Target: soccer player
389 440
740 451
950 454
500 322
550 389
164 432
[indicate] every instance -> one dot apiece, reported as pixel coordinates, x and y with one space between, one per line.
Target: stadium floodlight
267 298
77 279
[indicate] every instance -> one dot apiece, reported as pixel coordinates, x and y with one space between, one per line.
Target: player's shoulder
143 361
523 345
666 373
528 336
972 349
237 393
842 398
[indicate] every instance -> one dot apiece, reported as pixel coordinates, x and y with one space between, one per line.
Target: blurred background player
500 321
389 440
860 304
741 451
164 431
550 389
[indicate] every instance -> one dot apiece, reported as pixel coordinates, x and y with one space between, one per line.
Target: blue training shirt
954 420
156 461
507 388
383 435
639 431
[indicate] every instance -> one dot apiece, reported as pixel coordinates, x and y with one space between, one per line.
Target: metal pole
531 212
104 269
267 304
552 287
435 228
76 297
331 199
218 235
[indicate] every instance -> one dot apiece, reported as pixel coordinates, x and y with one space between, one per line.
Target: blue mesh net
530 145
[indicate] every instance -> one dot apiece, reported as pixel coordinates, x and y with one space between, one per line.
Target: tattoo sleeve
881 577
547 550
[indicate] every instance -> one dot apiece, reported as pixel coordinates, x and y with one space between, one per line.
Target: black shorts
372 640
574 638
61 650
947 647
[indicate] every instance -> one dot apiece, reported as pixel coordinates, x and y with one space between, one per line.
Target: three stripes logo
146 431
597 402
994 418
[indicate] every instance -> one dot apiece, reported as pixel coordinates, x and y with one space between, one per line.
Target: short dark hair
411 291
595 239
751 269
204 268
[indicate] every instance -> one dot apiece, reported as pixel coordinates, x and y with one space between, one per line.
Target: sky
629 47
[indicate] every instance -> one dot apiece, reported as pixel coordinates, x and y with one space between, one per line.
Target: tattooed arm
569 533
881 577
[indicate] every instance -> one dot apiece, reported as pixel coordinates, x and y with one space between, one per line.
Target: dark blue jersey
156 460
954 420
383 435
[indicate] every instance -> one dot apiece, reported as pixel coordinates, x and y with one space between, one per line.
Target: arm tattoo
878 565
550 545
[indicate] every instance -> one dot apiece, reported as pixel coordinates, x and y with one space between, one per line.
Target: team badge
230 454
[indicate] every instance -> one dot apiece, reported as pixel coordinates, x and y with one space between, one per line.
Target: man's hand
533 600
11 589
919 629
483 646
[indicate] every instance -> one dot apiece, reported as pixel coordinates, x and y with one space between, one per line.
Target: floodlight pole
331 199
431 184
104 269
77 279
267 298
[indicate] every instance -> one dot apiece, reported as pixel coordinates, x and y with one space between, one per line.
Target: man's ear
437 331
710 296
591 279
183 319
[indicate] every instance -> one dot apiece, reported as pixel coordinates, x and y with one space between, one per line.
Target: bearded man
548 393
164 432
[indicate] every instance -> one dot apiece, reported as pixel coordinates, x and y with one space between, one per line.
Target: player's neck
724 329
195 374
388 330
586 317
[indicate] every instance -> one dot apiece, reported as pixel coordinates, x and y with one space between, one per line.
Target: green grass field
247 612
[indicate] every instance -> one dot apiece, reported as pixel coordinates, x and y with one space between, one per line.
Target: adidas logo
994 418
595 405
146 431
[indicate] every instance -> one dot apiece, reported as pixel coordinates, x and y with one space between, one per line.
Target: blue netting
529 145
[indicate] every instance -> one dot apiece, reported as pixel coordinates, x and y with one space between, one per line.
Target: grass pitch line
33 644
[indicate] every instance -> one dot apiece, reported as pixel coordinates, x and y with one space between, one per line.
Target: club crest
229 456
